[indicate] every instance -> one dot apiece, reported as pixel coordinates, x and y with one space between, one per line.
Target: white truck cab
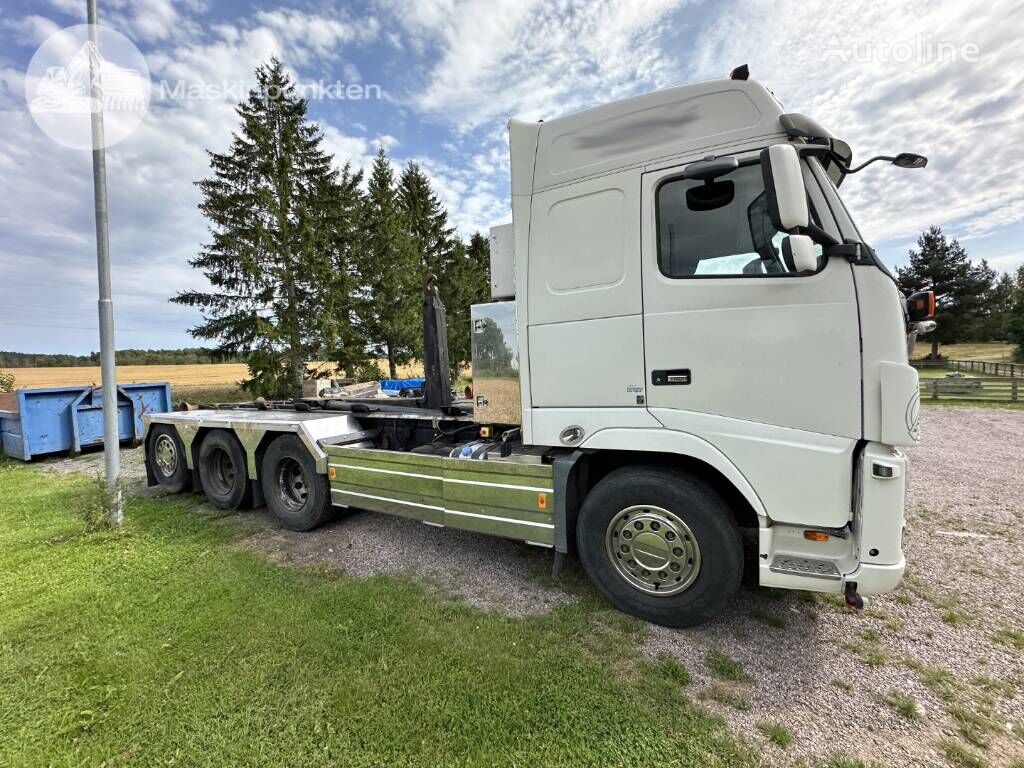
693 362
659 311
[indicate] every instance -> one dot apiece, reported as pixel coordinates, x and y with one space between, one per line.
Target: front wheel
660 544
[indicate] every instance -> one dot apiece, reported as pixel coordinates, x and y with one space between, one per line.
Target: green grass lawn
166 642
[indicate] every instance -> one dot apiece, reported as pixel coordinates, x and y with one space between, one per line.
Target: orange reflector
815 535
331 473
485 431
542 501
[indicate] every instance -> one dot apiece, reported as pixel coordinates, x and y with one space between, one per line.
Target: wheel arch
610 449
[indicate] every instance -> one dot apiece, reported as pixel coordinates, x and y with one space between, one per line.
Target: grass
842 685
165 641
842 760
728 697
902 703
868 648
960 755
956 618
777 734
1009 636
972 726
725 668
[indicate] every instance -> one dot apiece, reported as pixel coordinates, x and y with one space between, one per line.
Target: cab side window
718 229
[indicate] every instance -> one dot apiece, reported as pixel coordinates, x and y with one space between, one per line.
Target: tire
296 494
223 471
678 555
166 456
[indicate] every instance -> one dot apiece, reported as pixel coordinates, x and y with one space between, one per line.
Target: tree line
972 301
186 356
308 262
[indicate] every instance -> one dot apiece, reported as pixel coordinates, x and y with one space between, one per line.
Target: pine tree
995 314
471 281
268 261
390 272
1015 321
444 256
942 266
345 344
427 221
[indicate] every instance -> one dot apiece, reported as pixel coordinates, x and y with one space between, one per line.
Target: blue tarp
396 385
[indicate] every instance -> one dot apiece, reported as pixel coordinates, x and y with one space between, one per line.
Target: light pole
111 438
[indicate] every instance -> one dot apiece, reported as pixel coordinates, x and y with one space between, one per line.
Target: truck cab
659 313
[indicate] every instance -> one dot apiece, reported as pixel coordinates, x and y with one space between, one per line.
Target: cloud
894 77
533 59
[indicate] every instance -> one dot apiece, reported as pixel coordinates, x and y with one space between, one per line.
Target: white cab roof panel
652 127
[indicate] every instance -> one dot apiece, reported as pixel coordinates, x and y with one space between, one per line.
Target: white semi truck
693 365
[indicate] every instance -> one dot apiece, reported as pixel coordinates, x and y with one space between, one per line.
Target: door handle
671 377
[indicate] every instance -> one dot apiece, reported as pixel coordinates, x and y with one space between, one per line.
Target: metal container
496 394
54 419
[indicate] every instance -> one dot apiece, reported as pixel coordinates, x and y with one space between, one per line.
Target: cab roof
637 131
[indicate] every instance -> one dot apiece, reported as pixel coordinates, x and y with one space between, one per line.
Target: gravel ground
808 663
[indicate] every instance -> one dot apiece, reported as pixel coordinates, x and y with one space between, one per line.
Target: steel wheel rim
222 474
165 454
292 486
653 550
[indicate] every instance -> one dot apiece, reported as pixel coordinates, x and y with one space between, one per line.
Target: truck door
738 348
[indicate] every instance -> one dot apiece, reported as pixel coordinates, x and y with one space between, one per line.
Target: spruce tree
269 258
471 284
390 272
427 221
1015 320
941 265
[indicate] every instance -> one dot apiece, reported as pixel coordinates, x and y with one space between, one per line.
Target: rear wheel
660 544
166 455
296 494
223 472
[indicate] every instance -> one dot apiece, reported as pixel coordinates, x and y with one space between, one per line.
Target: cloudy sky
941 78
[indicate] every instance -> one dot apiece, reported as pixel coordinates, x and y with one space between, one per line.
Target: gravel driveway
927 676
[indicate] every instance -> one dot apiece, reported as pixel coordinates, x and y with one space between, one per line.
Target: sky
437 81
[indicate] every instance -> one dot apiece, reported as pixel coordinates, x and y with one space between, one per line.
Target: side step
805 566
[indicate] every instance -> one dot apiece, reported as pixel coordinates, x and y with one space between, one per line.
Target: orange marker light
332 472
542 501
815 535
485 431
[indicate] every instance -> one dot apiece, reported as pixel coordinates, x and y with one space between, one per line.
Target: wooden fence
986 368
1001 389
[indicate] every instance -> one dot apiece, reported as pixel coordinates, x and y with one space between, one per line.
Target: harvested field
180 376
177 375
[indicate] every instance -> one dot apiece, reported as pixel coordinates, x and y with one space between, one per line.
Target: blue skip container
53 419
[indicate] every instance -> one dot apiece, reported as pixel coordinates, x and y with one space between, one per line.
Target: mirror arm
869 162
820 236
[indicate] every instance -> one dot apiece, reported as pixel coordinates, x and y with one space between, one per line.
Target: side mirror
784 187
798 253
